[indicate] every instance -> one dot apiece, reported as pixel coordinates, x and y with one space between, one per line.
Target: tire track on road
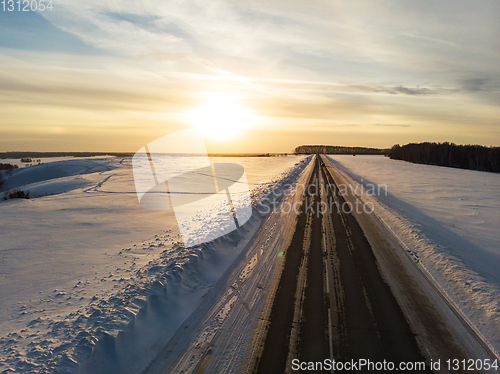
347 310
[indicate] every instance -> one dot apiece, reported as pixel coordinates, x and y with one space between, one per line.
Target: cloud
395 90
328 60
390 125
122 34
31 31
104 85
334 124
410 91
478 84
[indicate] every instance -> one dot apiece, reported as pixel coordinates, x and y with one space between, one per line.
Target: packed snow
84 268
448 219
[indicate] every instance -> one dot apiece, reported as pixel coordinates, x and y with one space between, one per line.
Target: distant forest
334 149
474 157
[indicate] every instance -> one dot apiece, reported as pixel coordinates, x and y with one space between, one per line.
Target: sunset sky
115 75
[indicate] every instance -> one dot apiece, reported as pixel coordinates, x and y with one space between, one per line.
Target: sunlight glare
221 117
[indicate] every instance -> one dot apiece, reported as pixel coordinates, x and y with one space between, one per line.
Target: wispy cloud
396 90
477 84
390 125
389 65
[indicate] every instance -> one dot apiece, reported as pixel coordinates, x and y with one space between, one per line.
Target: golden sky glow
255 76
221 117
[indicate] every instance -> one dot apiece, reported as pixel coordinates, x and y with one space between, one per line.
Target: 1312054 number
26 5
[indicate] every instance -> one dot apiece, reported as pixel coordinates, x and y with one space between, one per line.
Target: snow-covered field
82 264
449 219
79 259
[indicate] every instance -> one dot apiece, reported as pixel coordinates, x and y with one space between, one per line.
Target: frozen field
450 221
80 258
83 264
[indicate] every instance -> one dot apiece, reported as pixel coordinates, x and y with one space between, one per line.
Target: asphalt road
346 310
372 325
274 356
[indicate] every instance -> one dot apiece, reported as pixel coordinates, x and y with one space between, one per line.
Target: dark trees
474 157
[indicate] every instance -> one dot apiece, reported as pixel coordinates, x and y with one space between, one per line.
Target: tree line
335 149
8 166
474 157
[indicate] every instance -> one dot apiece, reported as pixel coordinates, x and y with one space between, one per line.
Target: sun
221 117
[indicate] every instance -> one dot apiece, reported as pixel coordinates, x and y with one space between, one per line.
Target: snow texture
90 281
